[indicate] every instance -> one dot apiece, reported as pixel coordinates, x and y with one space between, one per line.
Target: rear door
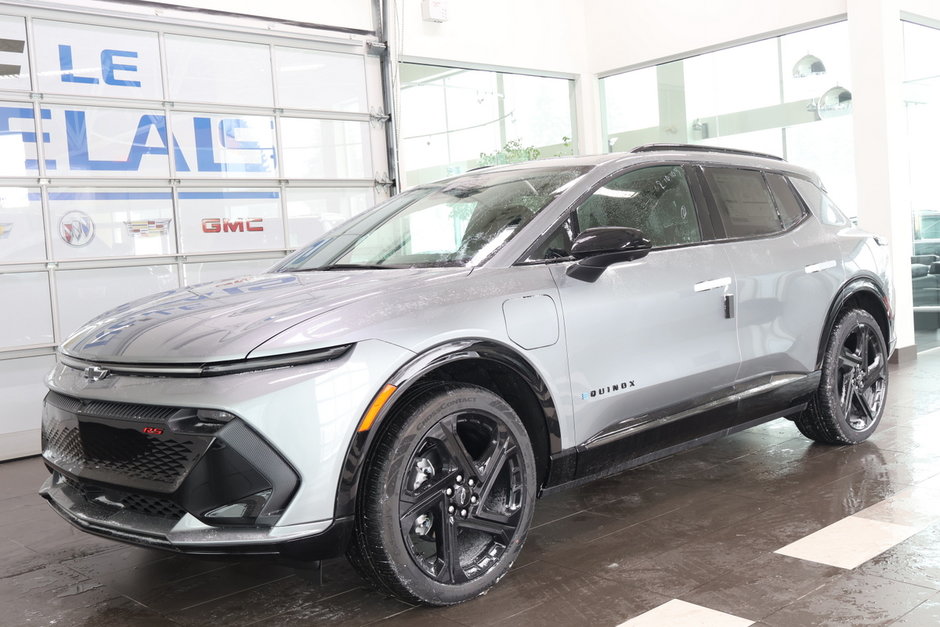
787 268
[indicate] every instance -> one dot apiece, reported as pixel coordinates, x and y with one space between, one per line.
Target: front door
652 333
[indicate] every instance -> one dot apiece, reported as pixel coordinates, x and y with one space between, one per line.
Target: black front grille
119 500
106 442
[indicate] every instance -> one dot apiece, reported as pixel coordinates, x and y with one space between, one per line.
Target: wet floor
762 528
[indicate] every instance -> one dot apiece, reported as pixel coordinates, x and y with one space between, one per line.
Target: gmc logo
226 225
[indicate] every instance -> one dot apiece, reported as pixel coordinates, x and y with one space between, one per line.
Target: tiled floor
761 528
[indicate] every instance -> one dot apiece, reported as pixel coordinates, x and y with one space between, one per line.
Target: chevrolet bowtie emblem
94 373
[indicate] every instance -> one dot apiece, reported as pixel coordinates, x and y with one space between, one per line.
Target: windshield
460 223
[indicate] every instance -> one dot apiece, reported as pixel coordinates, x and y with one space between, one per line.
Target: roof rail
704 148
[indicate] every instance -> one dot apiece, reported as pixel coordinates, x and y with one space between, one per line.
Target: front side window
654 200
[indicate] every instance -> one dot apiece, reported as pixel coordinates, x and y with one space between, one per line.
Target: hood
227 320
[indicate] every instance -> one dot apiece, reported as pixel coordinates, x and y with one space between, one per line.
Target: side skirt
645 439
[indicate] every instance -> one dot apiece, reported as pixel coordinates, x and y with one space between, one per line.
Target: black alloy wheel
853 389
460 505
448 497
862 377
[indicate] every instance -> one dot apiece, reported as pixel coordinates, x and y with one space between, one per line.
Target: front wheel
447 499
850 400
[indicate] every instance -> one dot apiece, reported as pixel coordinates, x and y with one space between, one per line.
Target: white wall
343 13
626 33
546 35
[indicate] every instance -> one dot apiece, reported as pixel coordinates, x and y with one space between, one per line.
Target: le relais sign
119 66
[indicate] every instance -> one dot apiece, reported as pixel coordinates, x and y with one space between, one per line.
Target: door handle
714 284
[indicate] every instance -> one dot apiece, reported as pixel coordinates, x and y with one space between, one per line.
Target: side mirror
600 247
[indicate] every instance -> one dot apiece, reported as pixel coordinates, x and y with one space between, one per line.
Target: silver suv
404 388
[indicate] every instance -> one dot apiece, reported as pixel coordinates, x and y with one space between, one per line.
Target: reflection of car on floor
405 387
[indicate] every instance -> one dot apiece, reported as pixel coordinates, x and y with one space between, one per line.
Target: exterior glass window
455 119
788 207
137 156
744 202
656 201
922 104
788 96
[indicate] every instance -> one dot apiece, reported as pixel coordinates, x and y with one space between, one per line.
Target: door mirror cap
600 247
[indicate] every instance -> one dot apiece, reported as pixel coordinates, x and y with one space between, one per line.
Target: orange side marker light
377 404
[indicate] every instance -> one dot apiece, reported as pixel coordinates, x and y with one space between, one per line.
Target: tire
447 497
850 401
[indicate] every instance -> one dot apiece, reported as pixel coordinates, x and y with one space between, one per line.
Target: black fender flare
413 371
861 284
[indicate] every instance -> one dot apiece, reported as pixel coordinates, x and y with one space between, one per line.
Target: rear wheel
850 400
448 497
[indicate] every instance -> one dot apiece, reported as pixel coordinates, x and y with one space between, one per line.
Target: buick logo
77 228
94 373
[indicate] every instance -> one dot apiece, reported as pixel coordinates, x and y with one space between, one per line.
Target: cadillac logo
147 228
5 229
77 228
94 373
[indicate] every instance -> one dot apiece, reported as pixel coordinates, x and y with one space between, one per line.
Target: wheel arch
864 292
487 363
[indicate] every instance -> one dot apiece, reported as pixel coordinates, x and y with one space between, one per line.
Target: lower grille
113 448
119 500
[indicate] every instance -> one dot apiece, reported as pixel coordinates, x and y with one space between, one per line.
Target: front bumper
321 540
132 461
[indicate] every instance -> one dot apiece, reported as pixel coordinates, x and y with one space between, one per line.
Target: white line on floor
678 613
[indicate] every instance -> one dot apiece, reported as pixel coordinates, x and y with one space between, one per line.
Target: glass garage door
137 157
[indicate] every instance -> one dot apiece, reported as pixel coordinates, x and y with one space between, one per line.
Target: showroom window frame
576 115
360 43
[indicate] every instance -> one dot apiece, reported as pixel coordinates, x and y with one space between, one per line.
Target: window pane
313 212
790 209
97 61
15 61
654 200
109 223
326 149
84 294
27 315
455 119
18 138
756 96
212 70
195 273
100 142
230 220
310 79
744 202
224 146
21 232
22 390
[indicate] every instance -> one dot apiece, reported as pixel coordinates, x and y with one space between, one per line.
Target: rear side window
819 203
788 206
744 202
